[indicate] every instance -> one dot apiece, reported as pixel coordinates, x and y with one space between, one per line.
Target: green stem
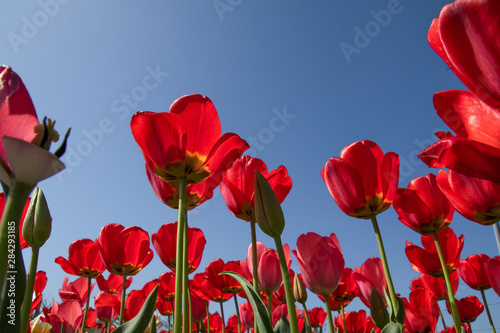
13 211
122 305
269 307
89 285
179 267
329 313
185 279
385 265
222 317
237 312
449 288
28 294
290 300
255 272
208 317
496 229
306 315
488 311
343 315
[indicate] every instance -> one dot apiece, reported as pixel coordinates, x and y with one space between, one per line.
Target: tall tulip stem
442 319
186 322
329 313
255 264
13 211
488 311
385 265
306 316
89 285
222 317
28 294
122 305
179 266
290 300
449 288
237 312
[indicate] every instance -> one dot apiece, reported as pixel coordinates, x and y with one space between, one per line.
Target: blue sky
298 80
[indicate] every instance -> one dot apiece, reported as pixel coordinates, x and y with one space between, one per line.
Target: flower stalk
179 266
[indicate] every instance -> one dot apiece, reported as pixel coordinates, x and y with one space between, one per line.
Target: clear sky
299 80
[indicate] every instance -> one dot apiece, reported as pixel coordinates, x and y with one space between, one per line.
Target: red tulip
363 181
187 141
421 312
135 300
76 290
107 306
473 272
39 286
422 206
435 285
215 323
125 251
232 325
321 262
166 290
492 268
465 37
165 244
237 186
113 284
476 199
67 316
199 309
354 322
246 314
469 308
225 283
282 310
2 206
317 317
369 275
475 151
426 261
347 289
268 267
196 194
203 288
84 259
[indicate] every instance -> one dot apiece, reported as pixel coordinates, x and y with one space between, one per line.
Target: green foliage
259 309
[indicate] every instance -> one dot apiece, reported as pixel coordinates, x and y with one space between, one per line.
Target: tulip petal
465 156
469 31
468 116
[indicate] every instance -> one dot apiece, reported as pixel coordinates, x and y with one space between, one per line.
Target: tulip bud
267 207
299 290
37 223
37 325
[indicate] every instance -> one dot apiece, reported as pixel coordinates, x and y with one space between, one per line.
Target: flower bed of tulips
187 157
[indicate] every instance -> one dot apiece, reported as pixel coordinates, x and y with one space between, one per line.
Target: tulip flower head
321 262
187 141
492 268
422 206
464 36
363 180
125 251
238 185
165 244
421 312
476 199
472 271
469 308
425 260
369 275
84 259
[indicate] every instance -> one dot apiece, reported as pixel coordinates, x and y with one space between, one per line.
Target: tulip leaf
400 311
389 328
378 311
143 318
282 326
259 309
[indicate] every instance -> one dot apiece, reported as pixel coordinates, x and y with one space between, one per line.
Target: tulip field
360 243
